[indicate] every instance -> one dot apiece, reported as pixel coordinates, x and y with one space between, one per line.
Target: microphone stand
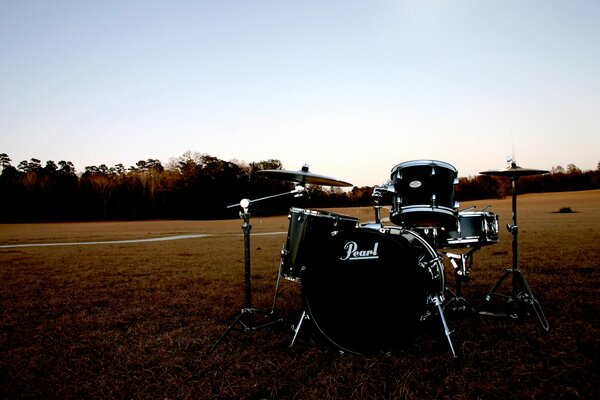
245 316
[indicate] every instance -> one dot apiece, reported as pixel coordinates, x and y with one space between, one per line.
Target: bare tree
102 181
572 169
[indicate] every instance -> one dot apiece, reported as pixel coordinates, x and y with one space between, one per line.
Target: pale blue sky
350 87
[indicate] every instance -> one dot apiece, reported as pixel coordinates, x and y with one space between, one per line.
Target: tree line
201 186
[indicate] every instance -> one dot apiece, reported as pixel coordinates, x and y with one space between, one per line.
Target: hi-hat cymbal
514 171
302 177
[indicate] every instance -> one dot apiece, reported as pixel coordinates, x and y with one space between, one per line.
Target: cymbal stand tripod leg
526 296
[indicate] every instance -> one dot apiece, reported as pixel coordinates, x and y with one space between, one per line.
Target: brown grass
136 320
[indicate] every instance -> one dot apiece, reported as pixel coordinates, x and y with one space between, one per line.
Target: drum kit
370 287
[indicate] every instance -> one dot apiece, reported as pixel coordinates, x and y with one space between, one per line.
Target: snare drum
474 228
306 232
424 193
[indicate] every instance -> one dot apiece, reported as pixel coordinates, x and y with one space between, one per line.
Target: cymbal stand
521 293
244 318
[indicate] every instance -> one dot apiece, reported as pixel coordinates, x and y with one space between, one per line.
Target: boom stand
245 316
244 320
521 292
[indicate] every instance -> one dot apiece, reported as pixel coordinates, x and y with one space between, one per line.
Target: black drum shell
307 228
371 299
474 229
424 193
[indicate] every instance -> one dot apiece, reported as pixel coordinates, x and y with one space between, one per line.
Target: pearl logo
415 184
353 253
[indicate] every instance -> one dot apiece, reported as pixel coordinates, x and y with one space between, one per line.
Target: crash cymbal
302 177
514 171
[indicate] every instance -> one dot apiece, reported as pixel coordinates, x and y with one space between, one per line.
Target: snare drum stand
521 292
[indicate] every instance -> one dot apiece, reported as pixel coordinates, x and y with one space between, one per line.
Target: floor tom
306 231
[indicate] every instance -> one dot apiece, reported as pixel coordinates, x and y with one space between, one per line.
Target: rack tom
424 194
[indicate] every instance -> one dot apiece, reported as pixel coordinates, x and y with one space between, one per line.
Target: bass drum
370 288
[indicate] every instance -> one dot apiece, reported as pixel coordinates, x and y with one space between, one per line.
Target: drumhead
367 292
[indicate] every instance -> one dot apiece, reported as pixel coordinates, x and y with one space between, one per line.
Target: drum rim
408 213
321 213
466 239
424 163
427 208
476 213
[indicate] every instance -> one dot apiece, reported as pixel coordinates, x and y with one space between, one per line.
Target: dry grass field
136 319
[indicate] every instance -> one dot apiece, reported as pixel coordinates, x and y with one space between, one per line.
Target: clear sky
350 87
